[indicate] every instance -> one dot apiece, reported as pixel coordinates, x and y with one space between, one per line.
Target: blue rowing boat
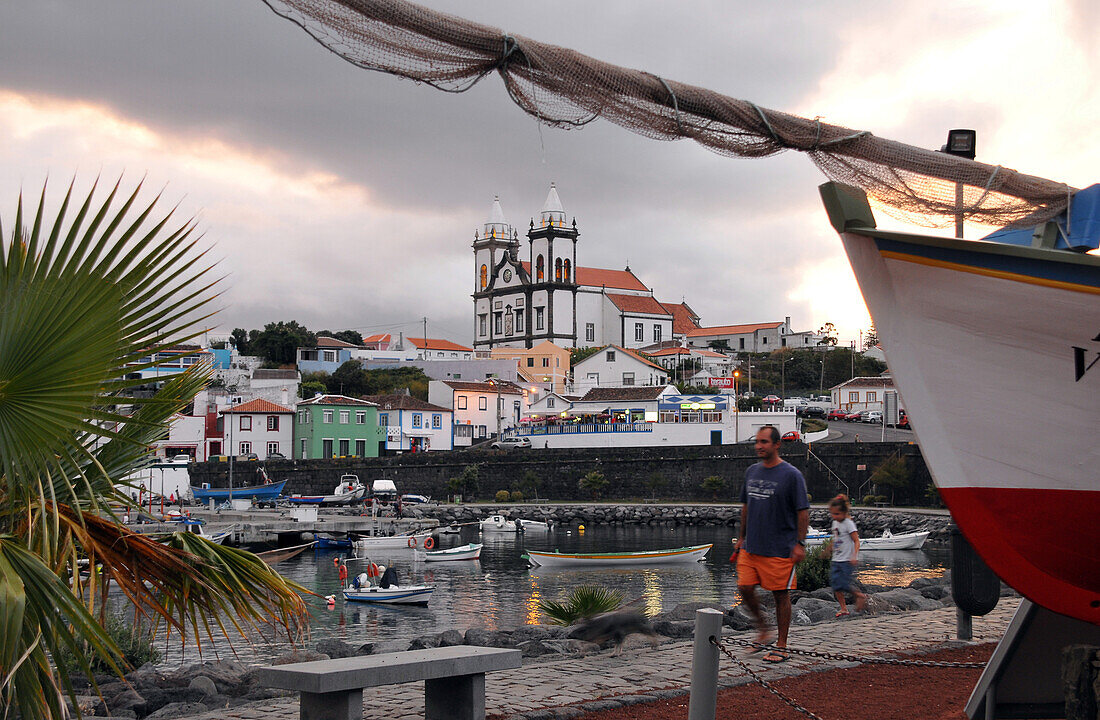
267 491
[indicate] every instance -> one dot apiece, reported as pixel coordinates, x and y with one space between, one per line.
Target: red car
772 399
852 417
837 414
792 435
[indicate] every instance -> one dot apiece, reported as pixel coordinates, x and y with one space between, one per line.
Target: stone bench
454 681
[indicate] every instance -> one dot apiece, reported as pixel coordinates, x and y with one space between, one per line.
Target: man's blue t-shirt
774 496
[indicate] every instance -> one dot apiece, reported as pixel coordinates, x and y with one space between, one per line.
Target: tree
578 354
239 338
278 342
348 336
468 483
892 473
714 485
96 300
655 484
870 338
349 379
828 335
594 483
530 484
719 345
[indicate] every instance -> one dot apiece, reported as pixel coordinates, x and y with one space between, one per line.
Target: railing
583 428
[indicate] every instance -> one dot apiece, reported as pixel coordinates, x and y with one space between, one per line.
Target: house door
715 437
326 449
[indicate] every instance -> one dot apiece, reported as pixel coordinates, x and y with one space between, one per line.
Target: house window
557 269
330 355
872 396
530 362
712 416
360 418
611 356
481 325
764 341
594 378
628 378
482 403
245 423
741 343
590 332
656 333
417 420
519 321
783 342
361 448
539 268
538 319
272 422
484 276
345 417
549 402
326 417
246 447
853 397
345 448
303 417
639 332
437 421
326 448
383 419
566 273
272 448
461 402
497 324
546 362
305 449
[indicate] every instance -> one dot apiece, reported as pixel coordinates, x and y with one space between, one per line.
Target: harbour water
500 591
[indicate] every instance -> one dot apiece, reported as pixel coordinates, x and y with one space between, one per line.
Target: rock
905 599
675 628
538 632
567 646
424 642
227 675
335 648
932 592
686 611
147 674
178 710
450 638
479 637
128 699
814 610
299 655
534 648
365 649
637 641
921 583
156 698
739 618
204 685
823 594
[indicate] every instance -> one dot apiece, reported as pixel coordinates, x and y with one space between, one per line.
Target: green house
329 426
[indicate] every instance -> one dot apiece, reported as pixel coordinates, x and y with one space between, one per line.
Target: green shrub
584 602
137 645
868 499
517 496
502 496
714 485
594 482
813 571
809 498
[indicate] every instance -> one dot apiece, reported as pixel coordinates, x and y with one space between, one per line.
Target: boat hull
365 545
464 552
410 595
646 558
342 499
270 491
985 343
908 541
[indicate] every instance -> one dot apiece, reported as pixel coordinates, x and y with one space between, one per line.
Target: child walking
845 552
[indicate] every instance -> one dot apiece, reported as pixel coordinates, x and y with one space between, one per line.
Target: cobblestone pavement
565 688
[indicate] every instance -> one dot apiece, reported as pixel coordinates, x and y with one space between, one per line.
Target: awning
418 432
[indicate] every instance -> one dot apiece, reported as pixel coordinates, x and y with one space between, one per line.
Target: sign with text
725 382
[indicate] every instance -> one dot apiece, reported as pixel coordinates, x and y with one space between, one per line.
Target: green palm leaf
583 602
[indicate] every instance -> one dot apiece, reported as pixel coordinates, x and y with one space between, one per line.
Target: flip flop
842 614
775 657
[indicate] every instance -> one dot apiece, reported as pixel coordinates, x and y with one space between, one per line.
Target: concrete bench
454 681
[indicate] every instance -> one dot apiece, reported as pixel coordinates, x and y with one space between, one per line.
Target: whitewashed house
479 408
413 425
614 366
258 426
862 393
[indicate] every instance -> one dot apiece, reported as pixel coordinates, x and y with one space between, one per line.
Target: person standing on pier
775 515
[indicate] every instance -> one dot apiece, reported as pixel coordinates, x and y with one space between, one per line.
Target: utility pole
425 338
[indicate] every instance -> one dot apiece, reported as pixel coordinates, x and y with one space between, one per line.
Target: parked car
276 456
248 456
811 411
871 416
836 414
509 443
852 417
772 399
792 435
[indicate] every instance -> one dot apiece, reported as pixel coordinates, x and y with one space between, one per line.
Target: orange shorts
770 573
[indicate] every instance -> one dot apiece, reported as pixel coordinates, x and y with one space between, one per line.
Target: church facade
527 295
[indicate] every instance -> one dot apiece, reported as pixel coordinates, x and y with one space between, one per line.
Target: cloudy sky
344 198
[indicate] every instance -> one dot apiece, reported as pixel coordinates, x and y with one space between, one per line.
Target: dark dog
613 627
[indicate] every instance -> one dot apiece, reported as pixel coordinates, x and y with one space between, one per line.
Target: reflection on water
500 591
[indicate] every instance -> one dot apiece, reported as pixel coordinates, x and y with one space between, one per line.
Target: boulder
904 599
335 648
538 632
424 642
932 592
674 628
203 684
299 655
365 649
823 594
566 646
450 638
922 583
813 610
686 611
156 698
178 710
739 618
128 699
227 675
534 648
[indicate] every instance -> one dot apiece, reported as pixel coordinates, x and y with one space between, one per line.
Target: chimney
286 396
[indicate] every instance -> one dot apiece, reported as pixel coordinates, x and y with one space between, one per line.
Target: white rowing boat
364 545
889 541
471 551
695 553
393 595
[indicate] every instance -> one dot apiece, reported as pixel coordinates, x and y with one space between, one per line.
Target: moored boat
365 544
279 555
349 491
393 595
331 543
889 541
694 553
498 524
815 537
265 491
471 551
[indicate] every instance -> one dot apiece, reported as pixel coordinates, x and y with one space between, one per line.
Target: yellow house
545 364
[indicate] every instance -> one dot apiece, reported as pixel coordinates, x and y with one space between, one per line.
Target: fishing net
564 88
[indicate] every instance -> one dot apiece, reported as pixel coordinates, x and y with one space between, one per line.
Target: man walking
775 515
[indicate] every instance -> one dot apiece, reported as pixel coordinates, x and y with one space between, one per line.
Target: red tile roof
732 329
259 406
637 304
600 277
383 338
403 402
506 388
437 344
684 319
331 342
710 353
669 351
649 392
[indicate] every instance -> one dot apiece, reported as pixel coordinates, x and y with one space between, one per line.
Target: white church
523 296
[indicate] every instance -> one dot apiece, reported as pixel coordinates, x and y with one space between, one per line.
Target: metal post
964 625
703 703
958 210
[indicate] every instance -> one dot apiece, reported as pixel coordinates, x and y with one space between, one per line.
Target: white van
795 403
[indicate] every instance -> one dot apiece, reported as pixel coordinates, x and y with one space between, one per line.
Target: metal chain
865 660
761 681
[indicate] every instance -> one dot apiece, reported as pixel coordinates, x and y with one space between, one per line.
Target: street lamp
963 143
783 377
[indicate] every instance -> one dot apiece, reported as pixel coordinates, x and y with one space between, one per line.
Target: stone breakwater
871 523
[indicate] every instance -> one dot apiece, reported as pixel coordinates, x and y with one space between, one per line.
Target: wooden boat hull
464 552
990 346
271 557
407 595
649 557
324 543
908 541
365 545
269 491
343 499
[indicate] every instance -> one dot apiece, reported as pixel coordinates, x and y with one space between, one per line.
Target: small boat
815 537
498 524
195 527
531 525
449 530
462 552
365 544
415 499
393 595
266 491
278 555
330 543
695 553
889 541
349 491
